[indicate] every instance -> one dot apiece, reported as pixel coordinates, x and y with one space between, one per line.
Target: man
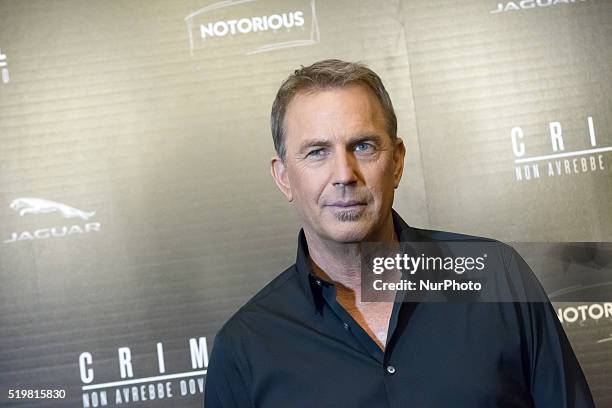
307 339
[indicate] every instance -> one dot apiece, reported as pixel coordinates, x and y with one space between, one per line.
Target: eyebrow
351 142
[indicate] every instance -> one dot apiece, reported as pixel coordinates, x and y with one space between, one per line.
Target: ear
279 174
398 161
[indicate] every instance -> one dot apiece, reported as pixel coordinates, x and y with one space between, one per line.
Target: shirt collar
313 285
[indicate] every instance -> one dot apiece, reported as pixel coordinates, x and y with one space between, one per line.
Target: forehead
334 112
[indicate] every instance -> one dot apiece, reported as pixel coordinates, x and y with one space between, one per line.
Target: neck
341 262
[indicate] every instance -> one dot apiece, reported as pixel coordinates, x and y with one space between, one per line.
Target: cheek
382 174
379 194
308 184
381 181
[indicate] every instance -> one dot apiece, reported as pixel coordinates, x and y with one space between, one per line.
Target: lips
344 204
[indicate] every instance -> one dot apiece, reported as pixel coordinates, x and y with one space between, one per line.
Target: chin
346 233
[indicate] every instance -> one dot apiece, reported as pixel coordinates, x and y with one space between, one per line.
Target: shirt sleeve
556 379
225 385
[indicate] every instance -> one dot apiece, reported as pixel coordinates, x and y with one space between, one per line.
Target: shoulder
435 235
506 252
267 300
505 264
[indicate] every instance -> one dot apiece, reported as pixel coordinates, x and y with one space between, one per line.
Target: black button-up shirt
293 345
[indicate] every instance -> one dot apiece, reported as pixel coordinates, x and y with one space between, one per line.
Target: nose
345 169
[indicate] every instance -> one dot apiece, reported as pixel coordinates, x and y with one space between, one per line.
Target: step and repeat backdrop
137 212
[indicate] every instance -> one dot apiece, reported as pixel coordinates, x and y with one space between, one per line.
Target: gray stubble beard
348 215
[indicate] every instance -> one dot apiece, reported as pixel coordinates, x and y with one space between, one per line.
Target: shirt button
346 326
391 369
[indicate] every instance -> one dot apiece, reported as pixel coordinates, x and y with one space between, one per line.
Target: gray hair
327 74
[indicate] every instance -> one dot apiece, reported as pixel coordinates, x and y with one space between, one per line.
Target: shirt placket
382 358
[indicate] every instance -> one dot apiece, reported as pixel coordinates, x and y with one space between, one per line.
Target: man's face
341 167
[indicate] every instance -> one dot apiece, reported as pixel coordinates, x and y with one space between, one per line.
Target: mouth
347 205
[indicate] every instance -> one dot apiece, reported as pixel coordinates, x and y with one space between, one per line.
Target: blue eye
363 147
315 153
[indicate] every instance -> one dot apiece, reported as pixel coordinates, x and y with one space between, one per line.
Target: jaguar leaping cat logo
40 206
